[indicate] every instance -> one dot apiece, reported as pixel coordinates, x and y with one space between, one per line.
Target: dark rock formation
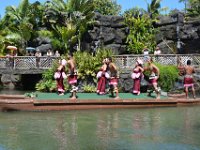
178 32
109 32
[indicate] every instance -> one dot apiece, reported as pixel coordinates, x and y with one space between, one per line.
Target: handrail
122 61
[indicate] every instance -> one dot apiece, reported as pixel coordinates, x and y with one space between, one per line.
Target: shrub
168 76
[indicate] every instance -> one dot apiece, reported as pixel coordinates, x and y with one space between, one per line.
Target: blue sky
126 4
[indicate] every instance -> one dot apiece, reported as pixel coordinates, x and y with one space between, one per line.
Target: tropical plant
48 83
69 20
153 8
88 65
89 88
194 8
141 32
18 21
107 7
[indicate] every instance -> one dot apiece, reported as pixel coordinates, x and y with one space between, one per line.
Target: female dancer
137 76
60 76
102 77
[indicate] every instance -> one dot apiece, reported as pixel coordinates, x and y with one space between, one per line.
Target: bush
168 76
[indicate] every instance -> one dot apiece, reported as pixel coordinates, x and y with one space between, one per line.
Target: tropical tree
18 22
153 8
107 7
69 20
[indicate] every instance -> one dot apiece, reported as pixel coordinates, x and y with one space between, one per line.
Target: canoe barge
21 103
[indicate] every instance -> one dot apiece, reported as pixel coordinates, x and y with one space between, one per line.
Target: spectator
57 54
145 53
49 53
38 55
157 51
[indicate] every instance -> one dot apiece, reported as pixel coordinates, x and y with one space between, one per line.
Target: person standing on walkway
145 53
60 76
102 77
137 76
72 75
157 51
188 79
154 76
113 78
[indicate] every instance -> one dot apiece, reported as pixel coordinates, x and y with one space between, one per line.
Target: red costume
102 79
60 76
188 81
136 76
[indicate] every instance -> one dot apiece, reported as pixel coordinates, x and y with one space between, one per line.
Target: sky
126 4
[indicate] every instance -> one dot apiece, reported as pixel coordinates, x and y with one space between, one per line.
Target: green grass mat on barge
94 96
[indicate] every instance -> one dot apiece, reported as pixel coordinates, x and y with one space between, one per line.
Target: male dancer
188 79
72 76
113 78
154 76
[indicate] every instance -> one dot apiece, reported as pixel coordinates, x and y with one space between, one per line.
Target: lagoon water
173 128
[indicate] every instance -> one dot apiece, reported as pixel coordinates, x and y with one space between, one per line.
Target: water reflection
152 128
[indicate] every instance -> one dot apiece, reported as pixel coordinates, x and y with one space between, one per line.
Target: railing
26 62
122 61
128 61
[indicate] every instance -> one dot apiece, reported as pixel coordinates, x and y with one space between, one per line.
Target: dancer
102 76
137 76
72 75
188 79
113 78
154 76
180 67
60 76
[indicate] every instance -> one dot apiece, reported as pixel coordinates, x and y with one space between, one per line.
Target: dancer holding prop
113 78
72 75
102 77
60 76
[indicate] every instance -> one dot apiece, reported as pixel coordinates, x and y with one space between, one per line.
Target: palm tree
153 8
18 21
75 14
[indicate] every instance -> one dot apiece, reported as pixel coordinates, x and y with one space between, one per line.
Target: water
165 128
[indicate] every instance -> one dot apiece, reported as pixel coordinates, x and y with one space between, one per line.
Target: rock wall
176 35
109 32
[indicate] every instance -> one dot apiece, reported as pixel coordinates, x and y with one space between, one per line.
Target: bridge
25 64
37 65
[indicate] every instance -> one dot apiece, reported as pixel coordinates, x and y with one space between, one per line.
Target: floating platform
52 101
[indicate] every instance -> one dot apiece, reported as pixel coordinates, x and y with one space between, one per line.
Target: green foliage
168 76
107 7
194 9
31 95
88 65
48 83
142 33
89 88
